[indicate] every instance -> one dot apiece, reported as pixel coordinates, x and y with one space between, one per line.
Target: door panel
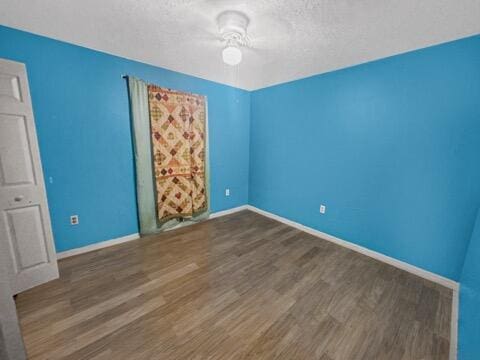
15 159
10 88
25 230
26 237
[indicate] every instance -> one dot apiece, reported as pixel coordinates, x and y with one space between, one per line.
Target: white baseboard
228 211
97 246
123 239
376 255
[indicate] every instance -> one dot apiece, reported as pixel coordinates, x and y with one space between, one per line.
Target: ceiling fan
233 29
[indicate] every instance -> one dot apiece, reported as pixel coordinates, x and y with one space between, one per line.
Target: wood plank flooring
237 287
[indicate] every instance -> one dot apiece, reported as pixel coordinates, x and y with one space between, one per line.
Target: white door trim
11 341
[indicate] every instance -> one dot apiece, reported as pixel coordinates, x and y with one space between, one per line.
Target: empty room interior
270 179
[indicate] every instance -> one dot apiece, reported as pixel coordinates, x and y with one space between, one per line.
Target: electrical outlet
323 209
227 192
74 220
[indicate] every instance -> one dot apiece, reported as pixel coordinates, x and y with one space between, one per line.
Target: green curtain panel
148 194
138 91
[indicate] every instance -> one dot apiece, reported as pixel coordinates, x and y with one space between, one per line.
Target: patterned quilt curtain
171 156
178 131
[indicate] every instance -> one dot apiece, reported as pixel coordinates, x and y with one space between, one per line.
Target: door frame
11 340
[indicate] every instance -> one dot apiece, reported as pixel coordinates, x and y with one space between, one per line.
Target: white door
25 230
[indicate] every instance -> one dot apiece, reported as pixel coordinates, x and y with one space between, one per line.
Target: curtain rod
186 92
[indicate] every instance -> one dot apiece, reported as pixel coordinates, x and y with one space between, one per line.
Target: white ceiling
290 39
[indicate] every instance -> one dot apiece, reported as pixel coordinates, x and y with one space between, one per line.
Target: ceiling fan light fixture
232 55
232 26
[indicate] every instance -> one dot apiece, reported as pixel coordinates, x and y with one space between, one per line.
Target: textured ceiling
288 39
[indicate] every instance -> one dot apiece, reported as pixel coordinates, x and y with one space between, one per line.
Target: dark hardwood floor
237 287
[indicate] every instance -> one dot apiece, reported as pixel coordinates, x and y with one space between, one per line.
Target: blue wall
82 117
390 147
469 315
